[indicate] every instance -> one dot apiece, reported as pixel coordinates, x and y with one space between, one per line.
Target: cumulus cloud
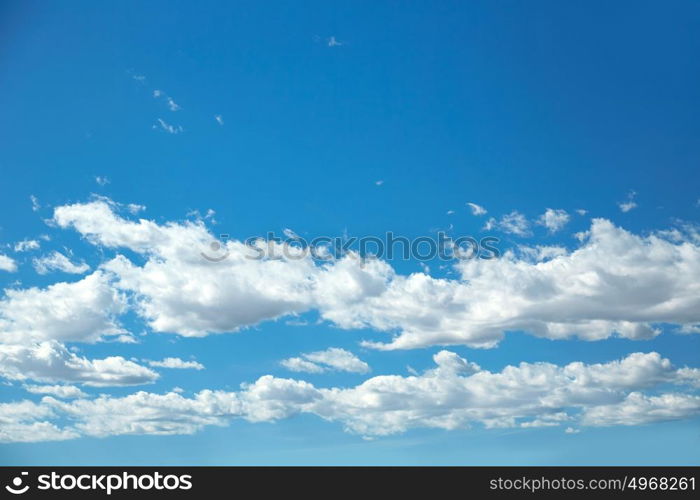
50 361
614 283
83 311
176 363
454 394
56 261
554 220
476 209
101 180
333 358
7 264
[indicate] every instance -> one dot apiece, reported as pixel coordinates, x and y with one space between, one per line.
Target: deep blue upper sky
513 105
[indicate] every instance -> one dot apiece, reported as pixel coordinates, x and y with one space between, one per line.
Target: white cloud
171 129
301 365
512 223
157 93
454 394
571 430
83 311
554 220
581 211
333 42
638 409
333 358
50 361
172 105
219 119
176 363
378 183
26 245
450 212
629 204
102 180
58 262
615 283
60 391
35 203
476 209
7 264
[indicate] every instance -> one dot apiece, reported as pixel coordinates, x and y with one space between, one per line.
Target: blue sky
513 106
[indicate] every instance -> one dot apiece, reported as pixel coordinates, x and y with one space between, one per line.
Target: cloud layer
453 394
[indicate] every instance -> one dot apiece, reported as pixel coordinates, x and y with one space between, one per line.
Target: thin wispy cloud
476 209
26 245
334 42
102 180
177 364
629 204
35 203
511 223
167 127
219 119
56 261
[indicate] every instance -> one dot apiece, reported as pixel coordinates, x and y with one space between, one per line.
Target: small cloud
476 209
176 363
378 183
7 264
581 211
35 203
450 212
334 42
630 204
512 223
554 220
219 119
60 391
171 129
26 245
571 430
172 105
333 358
157 93
58 262
101 180
135 208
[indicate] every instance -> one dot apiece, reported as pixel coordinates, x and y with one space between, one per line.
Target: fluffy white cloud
454 394
56 261
50 361
60 391
476 209
615 283
554 220
84 311
176 363
7 264
333 358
